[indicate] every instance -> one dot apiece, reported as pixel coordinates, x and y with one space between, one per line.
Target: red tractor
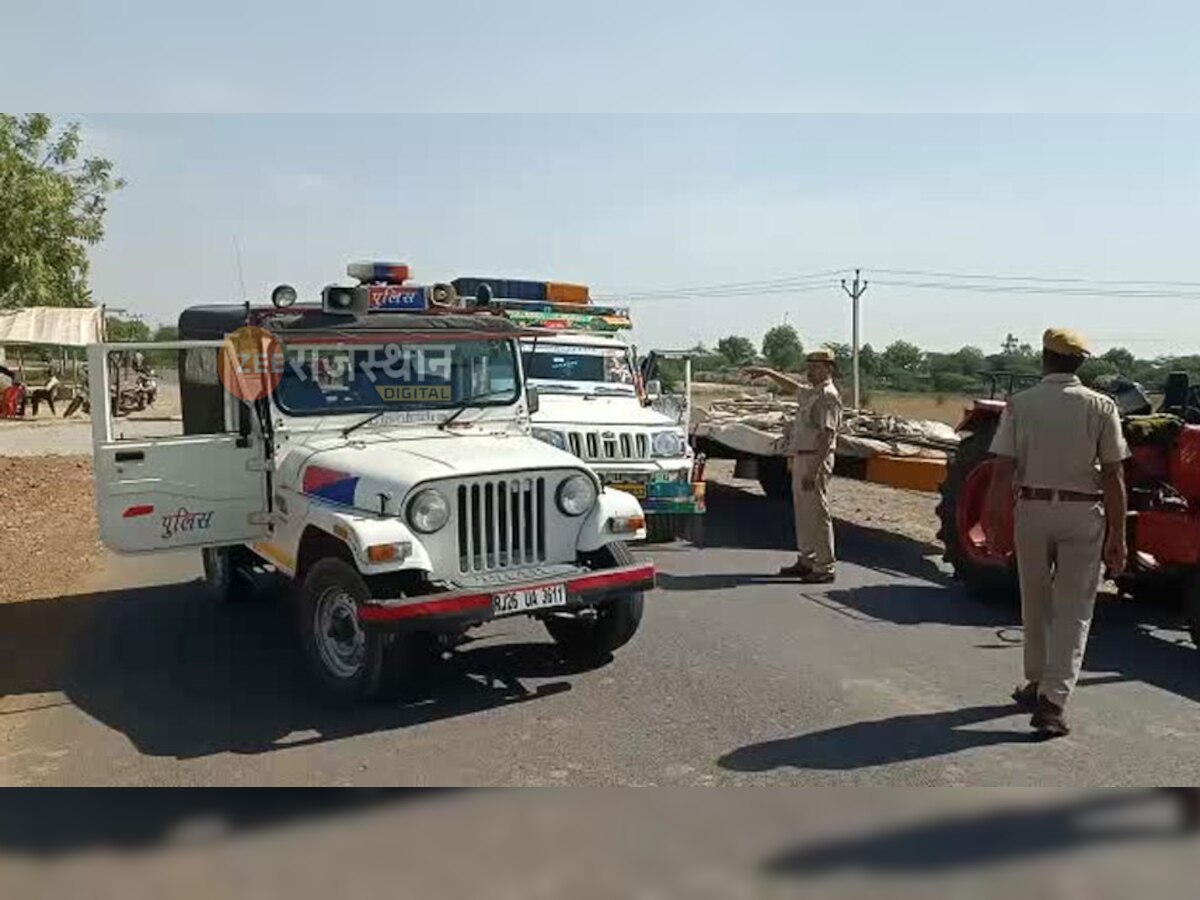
1163 478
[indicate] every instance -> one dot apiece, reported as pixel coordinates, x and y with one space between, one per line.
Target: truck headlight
428 511
667 443
553 438
576 495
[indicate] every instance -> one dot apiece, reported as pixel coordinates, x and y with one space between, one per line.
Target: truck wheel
665 527
223 573
616 621
346 660
960 511
775 479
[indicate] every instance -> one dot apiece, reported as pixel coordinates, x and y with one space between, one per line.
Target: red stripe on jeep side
132 512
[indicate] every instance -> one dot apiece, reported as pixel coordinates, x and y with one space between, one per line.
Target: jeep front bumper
475 605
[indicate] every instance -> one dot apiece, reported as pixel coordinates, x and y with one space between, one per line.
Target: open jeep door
162 492
677 365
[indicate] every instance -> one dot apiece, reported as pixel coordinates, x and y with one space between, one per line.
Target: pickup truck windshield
438 373
598 365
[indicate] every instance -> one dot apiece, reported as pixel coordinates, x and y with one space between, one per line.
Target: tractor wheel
964 495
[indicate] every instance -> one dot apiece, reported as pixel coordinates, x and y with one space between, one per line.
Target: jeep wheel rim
340 642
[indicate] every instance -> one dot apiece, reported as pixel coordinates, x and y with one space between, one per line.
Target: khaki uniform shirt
820 408
1058 432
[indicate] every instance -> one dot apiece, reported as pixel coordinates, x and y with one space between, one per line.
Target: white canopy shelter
65 326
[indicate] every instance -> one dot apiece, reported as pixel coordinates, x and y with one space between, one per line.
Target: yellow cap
1065 342
824 355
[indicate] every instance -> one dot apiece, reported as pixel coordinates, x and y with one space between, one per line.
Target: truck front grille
501 523
608 446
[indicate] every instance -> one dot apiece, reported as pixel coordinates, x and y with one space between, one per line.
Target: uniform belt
1032 493
803 452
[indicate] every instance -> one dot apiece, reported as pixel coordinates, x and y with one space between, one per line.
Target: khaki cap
1065 342
824 355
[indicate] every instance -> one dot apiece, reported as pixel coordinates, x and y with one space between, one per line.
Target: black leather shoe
799 567
1048 720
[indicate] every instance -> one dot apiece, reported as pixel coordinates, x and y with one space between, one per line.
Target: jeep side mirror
653 388
532 400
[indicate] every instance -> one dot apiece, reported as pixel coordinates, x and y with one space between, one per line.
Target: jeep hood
356 474
568 409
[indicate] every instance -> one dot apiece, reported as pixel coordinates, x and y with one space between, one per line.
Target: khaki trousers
1059 546
814 525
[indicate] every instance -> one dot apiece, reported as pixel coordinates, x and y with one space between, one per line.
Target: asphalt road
891 676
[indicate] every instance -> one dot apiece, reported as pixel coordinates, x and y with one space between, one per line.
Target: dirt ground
48 544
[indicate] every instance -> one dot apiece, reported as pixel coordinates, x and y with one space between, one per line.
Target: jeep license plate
511 603
638 489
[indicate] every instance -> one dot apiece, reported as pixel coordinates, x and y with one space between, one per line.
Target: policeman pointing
811 446
1059 453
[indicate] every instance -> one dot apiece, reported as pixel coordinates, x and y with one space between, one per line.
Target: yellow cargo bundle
561 292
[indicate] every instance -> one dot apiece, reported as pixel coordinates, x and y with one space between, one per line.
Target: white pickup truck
375 451
591 405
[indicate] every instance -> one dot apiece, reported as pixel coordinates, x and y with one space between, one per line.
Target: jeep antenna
237 255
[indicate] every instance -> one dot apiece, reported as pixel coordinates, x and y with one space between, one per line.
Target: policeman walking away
1059 453
811 445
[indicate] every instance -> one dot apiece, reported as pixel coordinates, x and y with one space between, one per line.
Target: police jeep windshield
327 376
596 365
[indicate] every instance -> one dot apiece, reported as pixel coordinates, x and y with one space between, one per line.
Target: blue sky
936 136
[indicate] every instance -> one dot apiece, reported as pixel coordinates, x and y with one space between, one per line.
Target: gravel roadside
48 543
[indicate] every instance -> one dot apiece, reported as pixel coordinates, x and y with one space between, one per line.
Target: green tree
868 360
52 206
1096 368
737 350
782 349
901 356
1121 359
126 330
166 333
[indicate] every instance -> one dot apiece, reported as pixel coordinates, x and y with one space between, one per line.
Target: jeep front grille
501 523
607 446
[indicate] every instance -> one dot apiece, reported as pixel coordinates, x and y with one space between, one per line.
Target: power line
991 276
1132 294
736 286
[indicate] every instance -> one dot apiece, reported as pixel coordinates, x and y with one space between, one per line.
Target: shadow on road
865 744
916 604
59 822
1140 641
737 519
968 842
182 676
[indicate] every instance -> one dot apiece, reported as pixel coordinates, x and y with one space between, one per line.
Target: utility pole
854 292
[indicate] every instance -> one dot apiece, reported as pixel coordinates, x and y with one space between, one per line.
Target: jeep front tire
616 620
346 660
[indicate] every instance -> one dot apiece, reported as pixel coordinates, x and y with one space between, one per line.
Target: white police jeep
376 451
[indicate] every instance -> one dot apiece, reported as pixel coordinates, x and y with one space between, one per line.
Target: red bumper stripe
581 585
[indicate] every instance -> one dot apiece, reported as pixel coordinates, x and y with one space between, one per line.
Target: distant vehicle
595 404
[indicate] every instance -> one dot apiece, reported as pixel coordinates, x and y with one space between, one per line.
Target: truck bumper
473 605
674 497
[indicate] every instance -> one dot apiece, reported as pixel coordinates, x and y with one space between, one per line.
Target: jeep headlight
667 443
428 511
553 438
576 495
